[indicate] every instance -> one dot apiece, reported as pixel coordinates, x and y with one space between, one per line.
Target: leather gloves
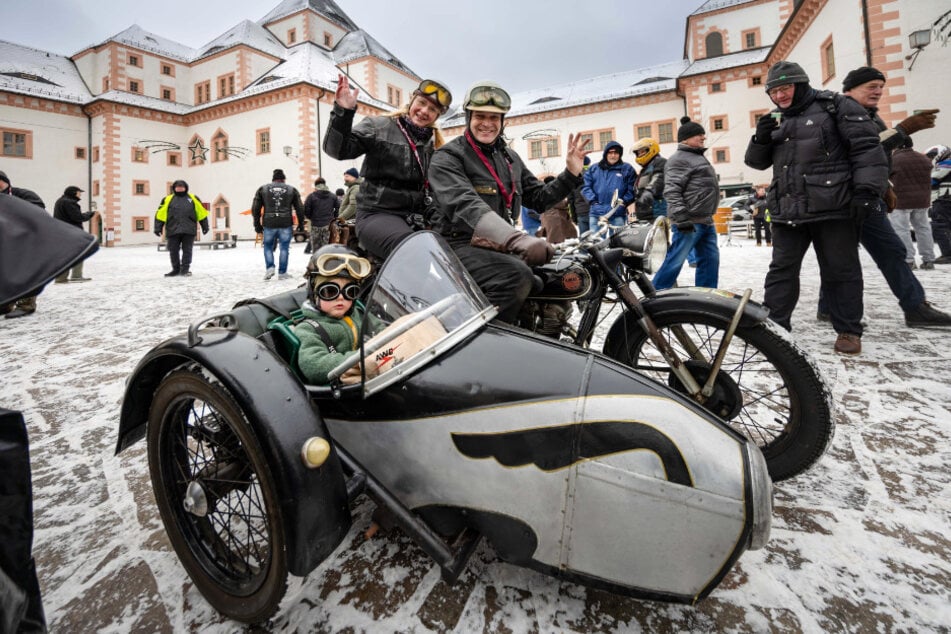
492 232
158 234
921 121
764 129
535 251
684 227
891 199
258 229
863 204
645 200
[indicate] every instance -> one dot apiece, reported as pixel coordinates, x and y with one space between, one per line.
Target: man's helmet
487 96
938 153
335 260
649 144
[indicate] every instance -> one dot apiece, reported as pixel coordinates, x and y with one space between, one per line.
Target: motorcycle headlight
762 492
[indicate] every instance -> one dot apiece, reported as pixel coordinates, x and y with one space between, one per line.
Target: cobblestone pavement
860 543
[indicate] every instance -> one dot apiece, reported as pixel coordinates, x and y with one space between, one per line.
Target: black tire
198 437
300 237
771 394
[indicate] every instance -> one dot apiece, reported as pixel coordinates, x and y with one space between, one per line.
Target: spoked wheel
766 389
217 497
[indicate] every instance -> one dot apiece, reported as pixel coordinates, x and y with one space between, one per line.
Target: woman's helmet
649 144
334 260
434 92
487 96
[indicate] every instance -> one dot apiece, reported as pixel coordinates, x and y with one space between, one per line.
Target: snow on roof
307 63
359 43
143 101
30 71
713 5
248 33
631 83
722 62
326 8
140 38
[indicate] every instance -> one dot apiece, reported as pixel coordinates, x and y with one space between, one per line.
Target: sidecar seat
253 315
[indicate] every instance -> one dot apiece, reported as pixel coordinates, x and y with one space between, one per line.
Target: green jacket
348 206
314 359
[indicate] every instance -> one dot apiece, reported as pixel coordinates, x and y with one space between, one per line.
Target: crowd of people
841 178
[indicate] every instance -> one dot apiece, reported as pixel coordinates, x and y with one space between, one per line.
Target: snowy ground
860 543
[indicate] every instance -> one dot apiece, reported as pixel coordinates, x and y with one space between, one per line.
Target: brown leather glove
492 232
921 121
891 199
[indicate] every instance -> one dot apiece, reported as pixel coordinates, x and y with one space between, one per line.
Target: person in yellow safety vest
179 214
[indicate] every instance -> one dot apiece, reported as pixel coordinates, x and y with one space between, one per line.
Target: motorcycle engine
546 318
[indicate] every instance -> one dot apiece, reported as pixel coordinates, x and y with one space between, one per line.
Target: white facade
75 121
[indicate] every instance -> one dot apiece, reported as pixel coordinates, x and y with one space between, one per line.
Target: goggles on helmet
482 96
435 92
331 290
330 264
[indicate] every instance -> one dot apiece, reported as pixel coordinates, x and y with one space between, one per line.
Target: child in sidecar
330 326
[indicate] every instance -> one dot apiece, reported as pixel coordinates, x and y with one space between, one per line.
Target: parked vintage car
565 460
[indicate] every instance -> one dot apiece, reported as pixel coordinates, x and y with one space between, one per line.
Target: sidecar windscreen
422 303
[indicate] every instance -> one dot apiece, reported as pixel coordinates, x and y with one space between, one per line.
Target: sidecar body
566 461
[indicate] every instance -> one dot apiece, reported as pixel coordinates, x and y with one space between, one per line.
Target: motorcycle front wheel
216 496
766 388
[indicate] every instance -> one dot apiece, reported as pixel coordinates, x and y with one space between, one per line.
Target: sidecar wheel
771 394
216 497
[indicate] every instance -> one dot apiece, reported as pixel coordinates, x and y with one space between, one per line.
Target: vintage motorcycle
589 472
718 348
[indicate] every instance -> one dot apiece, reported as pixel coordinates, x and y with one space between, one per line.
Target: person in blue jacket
608 175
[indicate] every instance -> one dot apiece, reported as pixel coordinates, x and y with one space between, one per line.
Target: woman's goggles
482 96
331 264
332 290
436 93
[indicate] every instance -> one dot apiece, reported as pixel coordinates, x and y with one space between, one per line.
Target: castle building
128 116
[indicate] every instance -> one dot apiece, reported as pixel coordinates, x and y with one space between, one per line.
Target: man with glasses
480 186
829 173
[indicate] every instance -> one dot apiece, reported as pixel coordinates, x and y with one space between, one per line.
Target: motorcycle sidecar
563 459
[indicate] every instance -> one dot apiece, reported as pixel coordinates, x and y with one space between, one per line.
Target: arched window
197 151
221 219
219 146
714 44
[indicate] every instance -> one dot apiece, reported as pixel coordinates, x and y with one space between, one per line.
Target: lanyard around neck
412 147
507 195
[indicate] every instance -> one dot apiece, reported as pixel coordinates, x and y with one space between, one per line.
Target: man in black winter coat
829 173
321 209
67 209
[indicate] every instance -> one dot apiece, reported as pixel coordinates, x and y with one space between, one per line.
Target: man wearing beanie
348 206
273 210
692 194
829 174
866 86
67 209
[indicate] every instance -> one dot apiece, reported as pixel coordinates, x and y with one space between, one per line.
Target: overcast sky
522 44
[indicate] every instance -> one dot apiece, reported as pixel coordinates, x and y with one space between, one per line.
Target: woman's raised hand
576 153
345 95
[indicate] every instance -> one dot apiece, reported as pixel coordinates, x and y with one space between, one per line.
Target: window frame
27 143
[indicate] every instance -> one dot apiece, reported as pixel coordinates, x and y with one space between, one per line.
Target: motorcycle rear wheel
773 394
217 497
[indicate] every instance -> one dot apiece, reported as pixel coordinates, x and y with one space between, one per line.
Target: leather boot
25 306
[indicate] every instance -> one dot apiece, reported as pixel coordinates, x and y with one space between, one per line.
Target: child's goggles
330 264
332 290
